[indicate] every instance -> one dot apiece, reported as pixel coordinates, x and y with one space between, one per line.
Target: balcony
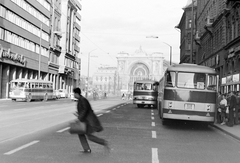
76 48
77 26
77 37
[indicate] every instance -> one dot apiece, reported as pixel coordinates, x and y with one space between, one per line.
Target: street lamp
166 44
88 71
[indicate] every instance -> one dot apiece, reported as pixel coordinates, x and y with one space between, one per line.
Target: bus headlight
169 104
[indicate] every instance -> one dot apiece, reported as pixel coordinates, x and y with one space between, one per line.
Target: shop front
17 63
230 83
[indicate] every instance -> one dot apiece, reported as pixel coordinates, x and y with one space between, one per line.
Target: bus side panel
190 96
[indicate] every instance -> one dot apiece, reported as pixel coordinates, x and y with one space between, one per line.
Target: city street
37 132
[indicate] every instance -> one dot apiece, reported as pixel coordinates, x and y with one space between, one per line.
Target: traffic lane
128 134
25 122
184 141
9 104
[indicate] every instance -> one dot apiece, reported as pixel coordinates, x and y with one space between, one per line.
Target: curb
226 132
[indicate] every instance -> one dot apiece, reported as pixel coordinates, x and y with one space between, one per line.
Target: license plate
189 107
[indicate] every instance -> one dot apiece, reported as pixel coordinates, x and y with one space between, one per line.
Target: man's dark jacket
86 114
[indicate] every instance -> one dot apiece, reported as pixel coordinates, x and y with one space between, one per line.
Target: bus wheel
138 105
45 98
14 100
29 98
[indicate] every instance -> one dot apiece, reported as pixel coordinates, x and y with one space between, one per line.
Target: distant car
63 93
72 97
56 94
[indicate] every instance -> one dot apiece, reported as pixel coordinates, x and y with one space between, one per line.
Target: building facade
34 43
138 66
188 28
219 38
21 24
105 80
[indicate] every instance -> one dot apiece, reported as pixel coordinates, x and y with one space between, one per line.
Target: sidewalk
232 131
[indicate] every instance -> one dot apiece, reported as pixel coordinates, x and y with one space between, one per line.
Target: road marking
155 155
152 113
99 115
118 107
114 108
153 124
152 118
151 110
22 147
63 129
108 111
154 134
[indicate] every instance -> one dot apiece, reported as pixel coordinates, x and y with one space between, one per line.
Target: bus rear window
191 80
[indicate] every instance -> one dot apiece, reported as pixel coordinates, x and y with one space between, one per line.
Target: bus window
21 84
191 80
36 85
212 82
147 86
44 85
170 79
40 85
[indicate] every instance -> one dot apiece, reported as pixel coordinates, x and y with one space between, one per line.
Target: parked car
63 93
56 94
72 97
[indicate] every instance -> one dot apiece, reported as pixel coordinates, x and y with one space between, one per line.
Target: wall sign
12 56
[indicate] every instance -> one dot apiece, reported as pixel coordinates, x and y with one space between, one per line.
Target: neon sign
12 56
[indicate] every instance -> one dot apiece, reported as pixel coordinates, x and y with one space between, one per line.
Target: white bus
31 89
188 92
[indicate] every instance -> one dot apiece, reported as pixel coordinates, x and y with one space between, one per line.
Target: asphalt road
136 135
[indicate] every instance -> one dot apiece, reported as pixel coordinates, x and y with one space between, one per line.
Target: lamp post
166 44
88 71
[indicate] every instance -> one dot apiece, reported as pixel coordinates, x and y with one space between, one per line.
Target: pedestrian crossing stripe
169 111
208 115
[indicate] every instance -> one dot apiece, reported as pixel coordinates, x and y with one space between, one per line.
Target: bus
188 92
145 92
31 89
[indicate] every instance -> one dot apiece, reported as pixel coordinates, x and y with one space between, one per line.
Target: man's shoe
86 151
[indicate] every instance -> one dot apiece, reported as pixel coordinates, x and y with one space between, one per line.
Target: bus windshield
191 80
143 86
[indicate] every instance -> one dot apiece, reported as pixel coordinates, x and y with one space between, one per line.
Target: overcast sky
109 27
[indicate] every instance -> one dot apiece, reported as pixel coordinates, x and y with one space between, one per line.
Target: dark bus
145 92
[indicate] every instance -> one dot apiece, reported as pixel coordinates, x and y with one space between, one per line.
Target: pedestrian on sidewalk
222 107
86 114
218 113
232 107
237 109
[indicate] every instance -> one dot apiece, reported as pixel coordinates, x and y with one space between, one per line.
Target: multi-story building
105 80
24 28
217 37
27 25
188 27
218 23
68 59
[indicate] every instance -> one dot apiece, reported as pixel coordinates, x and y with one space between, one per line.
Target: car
56 94
63 93
72 97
